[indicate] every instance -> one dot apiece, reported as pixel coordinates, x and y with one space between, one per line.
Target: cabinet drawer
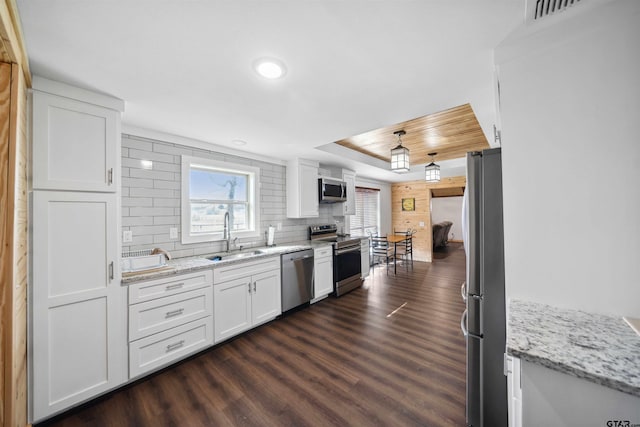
155 316
166 347
323 252
152 289
235 271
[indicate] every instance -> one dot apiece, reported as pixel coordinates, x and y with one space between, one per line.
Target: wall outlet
173 233
279 226
127 236
421 223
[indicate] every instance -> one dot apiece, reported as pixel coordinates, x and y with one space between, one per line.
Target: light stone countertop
199 262
598 348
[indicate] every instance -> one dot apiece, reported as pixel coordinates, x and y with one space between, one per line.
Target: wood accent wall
14 81
403 220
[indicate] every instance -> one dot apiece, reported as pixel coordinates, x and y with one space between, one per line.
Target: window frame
253 198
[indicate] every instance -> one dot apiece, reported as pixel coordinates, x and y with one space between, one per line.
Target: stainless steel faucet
226 234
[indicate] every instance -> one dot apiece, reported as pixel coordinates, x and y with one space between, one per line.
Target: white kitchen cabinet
514 391
78 304
78 343
164 348
302 189
245 295
322 272
169 319
364 257
75 141
348 207
552 398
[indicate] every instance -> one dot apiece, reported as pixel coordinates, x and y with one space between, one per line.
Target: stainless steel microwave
332 190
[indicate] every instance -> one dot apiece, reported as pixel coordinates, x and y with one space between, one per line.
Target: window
366 220
210 190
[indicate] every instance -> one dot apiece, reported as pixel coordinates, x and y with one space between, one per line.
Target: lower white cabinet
552 398
246 295
166 347
169 319
78 308
364 257
514 391
322 273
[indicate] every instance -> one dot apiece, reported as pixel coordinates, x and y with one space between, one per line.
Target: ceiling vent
542 8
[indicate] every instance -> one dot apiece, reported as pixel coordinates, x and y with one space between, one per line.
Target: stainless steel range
347 267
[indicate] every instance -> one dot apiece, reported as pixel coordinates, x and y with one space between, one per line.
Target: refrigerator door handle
463 323
463 291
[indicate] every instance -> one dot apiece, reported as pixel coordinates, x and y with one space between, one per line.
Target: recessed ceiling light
239 142
270 68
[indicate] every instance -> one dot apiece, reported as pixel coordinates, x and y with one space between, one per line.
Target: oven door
347 269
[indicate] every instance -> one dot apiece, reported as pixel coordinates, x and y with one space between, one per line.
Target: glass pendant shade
432 172
400 159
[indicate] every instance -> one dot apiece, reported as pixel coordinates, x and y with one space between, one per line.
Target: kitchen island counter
599 348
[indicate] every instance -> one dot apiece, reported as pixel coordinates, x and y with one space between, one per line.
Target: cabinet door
232 308
77 302
266 303
308 191
75 145
323 277
364 257
350 204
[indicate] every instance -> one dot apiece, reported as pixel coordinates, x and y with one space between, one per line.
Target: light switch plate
173 233
127 236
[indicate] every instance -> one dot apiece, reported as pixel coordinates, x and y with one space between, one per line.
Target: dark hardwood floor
388 354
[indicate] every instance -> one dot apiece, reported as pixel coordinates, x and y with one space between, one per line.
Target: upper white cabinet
302 189
75 141
348 207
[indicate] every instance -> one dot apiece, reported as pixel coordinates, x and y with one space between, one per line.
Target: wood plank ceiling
450 133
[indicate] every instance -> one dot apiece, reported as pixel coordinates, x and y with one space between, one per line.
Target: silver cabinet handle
463 323
254 286
111 272
249 287
175 345
174 286
110 176
174 313
463 291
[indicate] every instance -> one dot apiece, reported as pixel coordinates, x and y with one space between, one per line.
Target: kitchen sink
231 256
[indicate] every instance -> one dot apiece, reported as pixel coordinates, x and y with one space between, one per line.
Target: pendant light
432 171
400 155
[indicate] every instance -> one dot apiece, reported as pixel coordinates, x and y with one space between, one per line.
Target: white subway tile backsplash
150 155
151 174
150 211
151 198
150 192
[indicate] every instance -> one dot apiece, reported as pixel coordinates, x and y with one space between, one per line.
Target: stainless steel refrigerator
484 320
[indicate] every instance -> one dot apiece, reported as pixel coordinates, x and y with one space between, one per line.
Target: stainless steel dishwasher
297 278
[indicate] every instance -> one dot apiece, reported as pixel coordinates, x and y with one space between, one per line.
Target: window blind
365 221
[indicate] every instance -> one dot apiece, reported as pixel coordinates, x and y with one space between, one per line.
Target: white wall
448 209
570 105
